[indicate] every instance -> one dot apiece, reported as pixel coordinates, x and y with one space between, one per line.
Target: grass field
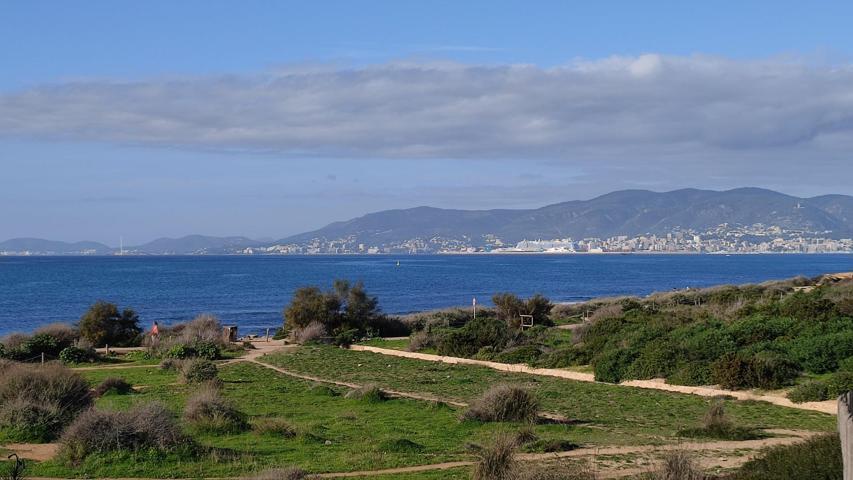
335 434
607 413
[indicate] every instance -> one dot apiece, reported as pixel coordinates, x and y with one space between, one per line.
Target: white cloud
614 108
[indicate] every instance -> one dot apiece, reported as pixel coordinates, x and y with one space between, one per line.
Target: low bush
275 427
209 411
497 460
114 385
810 391
171 364
528 354
104 324
762 370
839 383
476 334
400 445
420 340
180 351
38 401
818 458
717 424
198 371
612 366
691 373
679 465
145 427
72 354
504 403
292 473
313 332
207 350
368 393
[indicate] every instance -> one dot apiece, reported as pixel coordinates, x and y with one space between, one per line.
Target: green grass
610 414
362 435
400 344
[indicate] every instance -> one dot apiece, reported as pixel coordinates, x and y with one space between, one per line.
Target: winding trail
823 407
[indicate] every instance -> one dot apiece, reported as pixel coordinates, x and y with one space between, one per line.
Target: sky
266 119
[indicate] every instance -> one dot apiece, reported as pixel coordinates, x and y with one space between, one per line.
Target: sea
252 291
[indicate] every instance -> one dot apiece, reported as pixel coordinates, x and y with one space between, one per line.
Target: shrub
370 393
497 460
198 371
821 354
679 465
145 427
839 383
103 324
810 391
762 370
113 385
41 344
180 351
204 329
344 337
420 340
291 473
691 373
504 403
612 366
655 360
476 334
37 401
509 308
523 354
818 458
64 334
171 364
717 424
275 426
208 410
77 355
207 349
312 332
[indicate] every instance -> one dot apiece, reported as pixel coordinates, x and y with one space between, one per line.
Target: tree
310 304
509 308
102 324
344 307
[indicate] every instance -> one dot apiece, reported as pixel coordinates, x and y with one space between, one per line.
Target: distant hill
53 247
626 212
195 244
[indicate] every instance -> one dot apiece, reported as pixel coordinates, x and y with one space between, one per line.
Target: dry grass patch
504 403
208 410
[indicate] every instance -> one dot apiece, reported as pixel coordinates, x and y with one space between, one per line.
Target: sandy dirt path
824 407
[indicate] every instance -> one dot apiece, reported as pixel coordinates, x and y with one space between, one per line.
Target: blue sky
148 119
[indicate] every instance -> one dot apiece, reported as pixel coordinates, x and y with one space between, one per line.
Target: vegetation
829 388
208 410
114 385
717 424
346 312
149 426
504 403
818 458
497 460
38 401
198 370
103 324
201 337
679 465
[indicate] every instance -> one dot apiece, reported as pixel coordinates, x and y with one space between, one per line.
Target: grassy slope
362 435
617 415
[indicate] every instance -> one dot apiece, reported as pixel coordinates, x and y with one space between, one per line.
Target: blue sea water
252 291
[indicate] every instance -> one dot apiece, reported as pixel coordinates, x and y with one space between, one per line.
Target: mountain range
625 212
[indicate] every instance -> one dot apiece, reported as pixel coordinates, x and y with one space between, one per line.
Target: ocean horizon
251 292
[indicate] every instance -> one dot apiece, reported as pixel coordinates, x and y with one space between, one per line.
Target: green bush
763 370
370 393
839 383
656 360
563 357
115 385
207 350
818 458
208 410
41 343
198 371
180 352
524 354
70 355
476 334
811 391
612 365
821 354
103 324
690 373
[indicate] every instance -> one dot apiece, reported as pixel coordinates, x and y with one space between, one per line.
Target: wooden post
42 358
845 430
268 334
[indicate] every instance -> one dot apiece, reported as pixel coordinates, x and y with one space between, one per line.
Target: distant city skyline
267 120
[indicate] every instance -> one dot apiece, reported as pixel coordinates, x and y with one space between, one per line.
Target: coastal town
724 239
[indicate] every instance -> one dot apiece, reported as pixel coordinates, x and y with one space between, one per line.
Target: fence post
845 430
42 358
268 334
